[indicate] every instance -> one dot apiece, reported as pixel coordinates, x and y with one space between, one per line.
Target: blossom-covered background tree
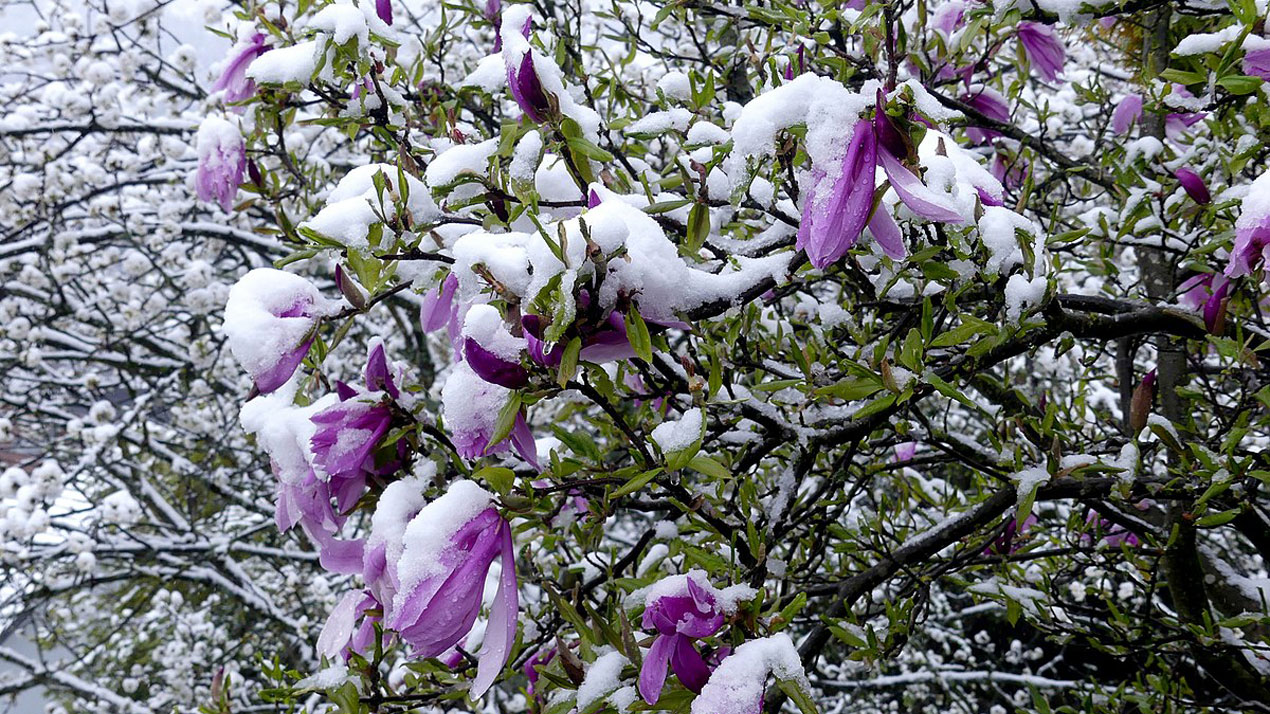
626 356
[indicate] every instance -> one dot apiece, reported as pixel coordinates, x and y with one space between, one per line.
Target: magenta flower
832 223
949 17
684 612
1044 49
797 65
234 81
1176 124
492 352
1194 185
1252 231
1006 543
1206 292
523 80
383 8
470 408
541 658
1257 63
270 320
346 438
1109 532
905 451
449 548
990 103
1126 114
222 160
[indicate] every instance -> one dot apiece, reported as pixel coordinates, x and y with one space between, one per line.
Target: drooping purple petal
688 665
500 632
1043 48
492 368
652 676
832 223
1257 63
438 308
339 625
915 194
522 439
1127 113
1215 308
378 375
233 80
991 104
383 8
887 233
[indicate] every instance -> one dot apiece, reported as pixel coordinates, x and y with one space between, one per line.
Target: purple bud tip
1194 185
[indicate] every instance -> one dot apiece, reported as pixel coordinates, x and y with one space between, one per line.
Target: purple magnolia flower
1127 113
383 8
307 503
541 658
681 610
1176 124
1043 47
1010 174
905 451
234 81
1006 543
990 103
470 408
1252 231
949 17
1194 185
448 550
797 65
1207 292
222 160
1109 532
832 223
350 627
1257 63
270 320
346 438
492 351
522 75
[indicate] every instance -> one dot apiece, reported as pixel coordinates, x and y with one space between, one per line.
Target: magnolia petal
887 234
339 625
915 194
500 632
689 666
652 676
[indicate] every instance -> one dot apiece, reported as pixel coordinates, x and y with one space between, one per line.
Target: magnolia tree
615 357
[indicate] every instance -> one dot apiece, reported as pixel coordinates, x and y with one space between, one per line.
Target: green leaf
1239 84
569 361
1213 520
636 483
501 479
798 696
637 333
1182 76
851 389
709 467
506 420
698 227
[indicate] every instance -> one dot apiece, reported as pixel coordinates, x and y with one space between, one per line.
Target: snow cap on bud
222 159
269 324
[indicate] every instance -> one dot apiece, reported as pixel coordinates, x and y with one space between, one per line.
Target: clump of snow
460 159
676 85
285 430
997 231
343 22
603 676
737 684
1256 203
484 324
1026 481
286 64
661 122
728 599
256 334
678 434
1022 294
427 537
526 157
119 508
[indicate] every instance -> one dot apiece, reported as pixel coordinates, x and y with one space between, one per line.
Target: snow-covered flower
270 321
949 17
905 451
835 215
470 406
491 350
737 685
448 550
1252 230
1043 47
1127 112
680 615
222 159
523 80
234 80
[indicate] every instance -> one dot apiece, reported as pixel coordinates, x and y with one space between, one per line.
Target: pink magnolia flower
470 406
1044 48
491 350
1194 185
834 215
222 160
681 610
990 103
541 658
1127 113
1252 230
905 451
1257 63
234 81
448 550
271 318
350 627
1206 292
